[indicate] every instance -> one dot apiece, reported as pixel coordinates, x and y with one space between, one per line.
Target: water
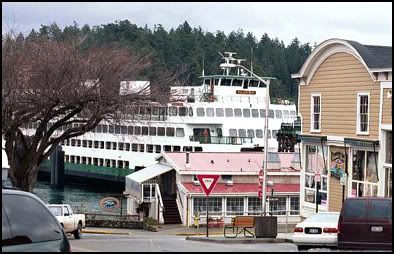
83 198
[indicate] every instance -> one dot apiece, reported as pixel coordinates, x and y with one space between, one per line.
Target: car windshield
323 217
57 211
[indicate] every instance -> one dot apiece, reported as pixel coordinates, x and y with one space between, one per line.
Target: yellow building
345 106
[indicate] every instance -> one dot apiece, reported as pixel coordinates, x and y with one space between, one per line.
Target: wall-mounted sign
109 204
245 92
337 165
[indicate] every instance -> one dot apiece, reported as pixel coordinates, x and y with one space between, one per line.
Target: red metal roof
238 188
232 162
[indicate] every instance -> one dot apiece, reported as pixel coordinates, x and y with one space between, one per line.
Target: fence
113 217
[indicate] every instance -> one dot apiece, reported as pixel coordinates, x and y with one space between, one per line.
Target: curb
104 232
254 240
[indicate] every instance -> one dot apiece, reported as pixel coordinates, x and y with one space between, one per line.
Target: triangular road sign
208 182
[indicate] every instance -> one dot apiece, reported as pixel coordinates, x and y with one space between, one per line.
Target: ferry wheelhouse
226 113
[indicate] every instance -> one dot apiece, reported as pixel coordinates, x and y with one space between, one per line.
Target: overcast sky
367 23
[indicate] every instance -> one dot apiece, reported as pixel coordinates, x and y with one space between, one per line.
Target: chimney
187 160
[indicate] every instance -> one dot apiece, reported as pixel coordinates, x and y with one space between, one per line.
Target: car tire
78 231
302 247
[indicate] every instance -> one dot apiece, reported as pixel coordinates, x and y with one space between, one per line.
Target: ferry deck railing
226 140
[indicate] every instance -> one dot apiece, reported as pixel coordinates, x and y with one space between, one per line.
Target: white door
68 220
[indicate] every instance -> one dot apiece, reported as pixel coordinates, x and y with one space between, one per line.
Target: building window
254 206
227 178
235 206
278 207
314 160
388 182
315 112
215 206
364 177
389 149
362 113
294 205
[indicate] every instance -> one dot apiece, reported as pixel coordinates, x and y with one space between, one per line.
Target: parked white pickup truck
71 223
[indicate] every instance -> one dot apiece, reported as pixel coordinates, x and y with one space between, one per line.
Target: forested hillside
194 47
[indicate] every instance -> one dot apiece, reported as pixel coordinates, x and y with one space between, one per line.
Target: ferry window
242 133
187 149
253 83
123 129
98 128
107 145
219 112
142 148
114 144
101 144
78 142
207 81
89 161
216 81
177 148
250 133
246 112
90 143
145 130
84 143
134 147
190 111
137 130
111 129
173 111
67 142
72 159
261 84
200 112
126 164
285 113
274 132
66 158
117 129
259 133
232 132
113 163
182 111
210 112
149 148
271 113
198 149
292 113
278 113
101 162
120 164
170 131
95 161
226 82
255 113
155 111
167 148
237 112
105 128
121 146
108 162
160 131
229 112
77 159
219 132
237 82
130 130
180 132
152 131
158 148
262 113
142 110
269 133
83 161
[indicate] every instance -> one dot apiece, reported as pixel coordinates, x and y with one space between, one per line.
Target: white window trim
312 118
358 131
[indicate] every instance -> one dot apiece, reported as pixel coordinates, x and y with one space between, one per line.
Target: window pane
271 113
242 133
255 113
262 113
145 130
170 131
254 206
137 130
180 132
278 113
235 206
232 132
246 112
229 112
380 209
173 111
152 131
358 165
355 208
200 112
160 131
259 133
372 160
219 112
237 112
210 112
250 133
182 111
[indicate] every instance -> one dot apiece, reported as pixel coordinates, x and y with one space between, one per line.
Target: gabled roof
376 57
233 163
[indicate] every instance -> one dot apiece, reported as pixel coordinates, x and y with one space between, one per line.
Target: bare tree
65 92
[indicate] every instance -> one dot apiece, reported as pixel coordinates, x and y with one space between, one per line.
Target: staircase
171 213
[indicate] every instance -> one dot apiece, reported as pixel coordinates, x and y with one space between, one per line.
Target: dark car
28 225
365 223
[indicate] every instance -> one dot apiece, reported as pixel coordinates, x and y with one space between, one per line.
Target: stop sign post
207 182
317 180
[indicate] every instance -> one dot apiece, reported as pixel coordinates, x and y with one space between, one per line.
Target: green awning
361 142
312 138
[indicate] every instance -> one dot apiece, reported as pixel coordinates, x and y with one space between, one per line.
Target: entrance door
168 184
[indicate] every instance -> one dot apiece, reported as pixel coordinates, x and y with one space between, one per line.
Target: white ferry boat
226 113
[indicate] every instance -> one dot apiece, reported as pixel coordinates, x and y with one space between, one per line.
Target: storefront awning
134 180
312 138
361 142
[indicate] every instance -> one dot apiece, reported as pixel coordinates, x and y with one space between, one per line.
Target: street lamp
265 81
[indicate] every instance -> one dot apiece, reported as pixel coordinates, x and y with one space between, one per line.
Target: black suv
28 225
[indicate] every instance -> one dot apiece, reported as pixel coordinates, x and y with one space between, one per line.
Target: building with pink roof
170 192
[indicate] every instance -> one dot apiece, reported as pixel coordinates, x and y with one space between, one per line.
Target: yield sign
208 182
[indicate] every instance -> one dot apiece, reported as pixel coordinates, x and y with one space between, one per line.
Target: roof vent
229 183
196 183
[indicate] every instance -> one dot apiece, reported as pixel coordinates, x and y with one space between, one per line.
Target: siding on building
335 195
387 114
338 79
